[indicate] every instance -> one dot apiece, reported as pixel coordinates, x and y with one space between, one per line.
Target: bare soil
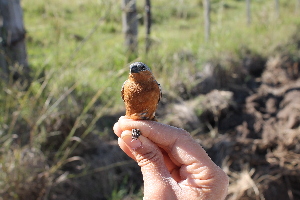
255 132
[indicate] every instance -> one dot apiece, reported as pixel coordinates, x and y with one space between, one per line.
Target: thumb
157 179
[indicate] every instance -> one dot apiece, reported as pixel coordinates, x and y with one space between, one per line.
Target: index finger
175 141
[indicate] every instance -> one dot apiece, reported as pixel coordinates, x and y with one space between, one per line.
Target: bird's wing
160 95
122 90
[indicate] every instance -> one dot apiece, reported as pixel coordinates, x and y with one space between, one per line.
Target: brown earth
253 130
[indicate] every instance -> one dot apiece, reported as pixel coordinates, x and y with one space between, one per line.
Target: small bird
141 94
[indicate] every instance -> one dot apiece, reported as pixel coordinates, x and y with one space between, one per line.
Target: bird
141 94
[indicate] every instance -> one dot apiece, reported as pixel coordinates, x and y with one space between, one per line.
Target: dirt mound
259 144
245 110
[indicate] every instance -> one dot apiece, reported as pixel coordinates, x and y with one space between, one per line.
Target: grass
76 52
86 38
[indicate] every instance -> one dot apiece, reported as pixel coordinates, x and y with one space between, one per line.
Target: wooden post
147 24
206 4
277 8
130 25
3 65
297 8
248 10
13 56
220 13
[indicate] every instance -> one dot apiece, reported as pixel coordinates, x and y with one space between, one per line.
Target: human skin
173 164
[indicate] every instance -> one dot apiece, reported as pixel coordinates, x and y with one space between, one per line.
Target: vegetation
77 56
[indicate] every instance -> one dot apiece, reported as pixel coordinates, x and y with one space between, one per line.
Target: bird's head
140 72
138 67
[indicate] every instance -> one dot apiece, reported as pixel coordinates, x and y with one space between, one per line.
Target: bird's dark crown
138 67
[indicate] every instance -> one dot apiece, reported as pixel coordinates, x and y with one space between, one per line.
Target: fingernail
131 143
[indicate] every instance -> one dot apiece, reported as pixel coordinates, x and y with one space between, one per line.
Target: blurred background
229 71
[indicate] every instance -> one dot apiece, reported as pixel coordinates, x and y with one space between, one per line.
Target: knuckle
148 158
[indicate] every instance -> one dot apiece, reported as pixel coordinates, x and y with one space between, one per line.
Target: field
236 94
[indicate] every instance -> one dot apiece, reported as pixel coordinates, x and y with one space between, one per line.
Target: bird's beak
134 69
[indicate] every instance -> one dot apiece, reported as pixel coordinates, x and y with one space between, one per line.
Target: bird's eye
143 68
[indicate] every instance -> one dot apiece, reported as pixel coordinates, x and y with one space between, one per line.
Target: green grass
70 40
78 61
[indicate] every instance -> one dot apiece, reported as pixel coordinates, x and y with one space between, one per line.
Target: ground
253 127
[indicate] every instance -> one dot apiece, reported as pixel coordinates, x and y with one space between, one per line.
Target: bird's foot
135 134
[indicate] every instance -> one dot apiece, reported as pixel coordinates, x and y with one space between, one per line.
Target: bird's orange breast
141 94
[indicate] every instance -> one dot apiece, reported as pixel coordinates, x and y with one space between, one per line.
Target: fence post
277 8
130 25
297 8
206 4
147 24
13 56
248 10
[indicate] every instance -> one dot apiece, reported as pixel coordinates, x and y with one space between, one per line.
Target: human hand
173 164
